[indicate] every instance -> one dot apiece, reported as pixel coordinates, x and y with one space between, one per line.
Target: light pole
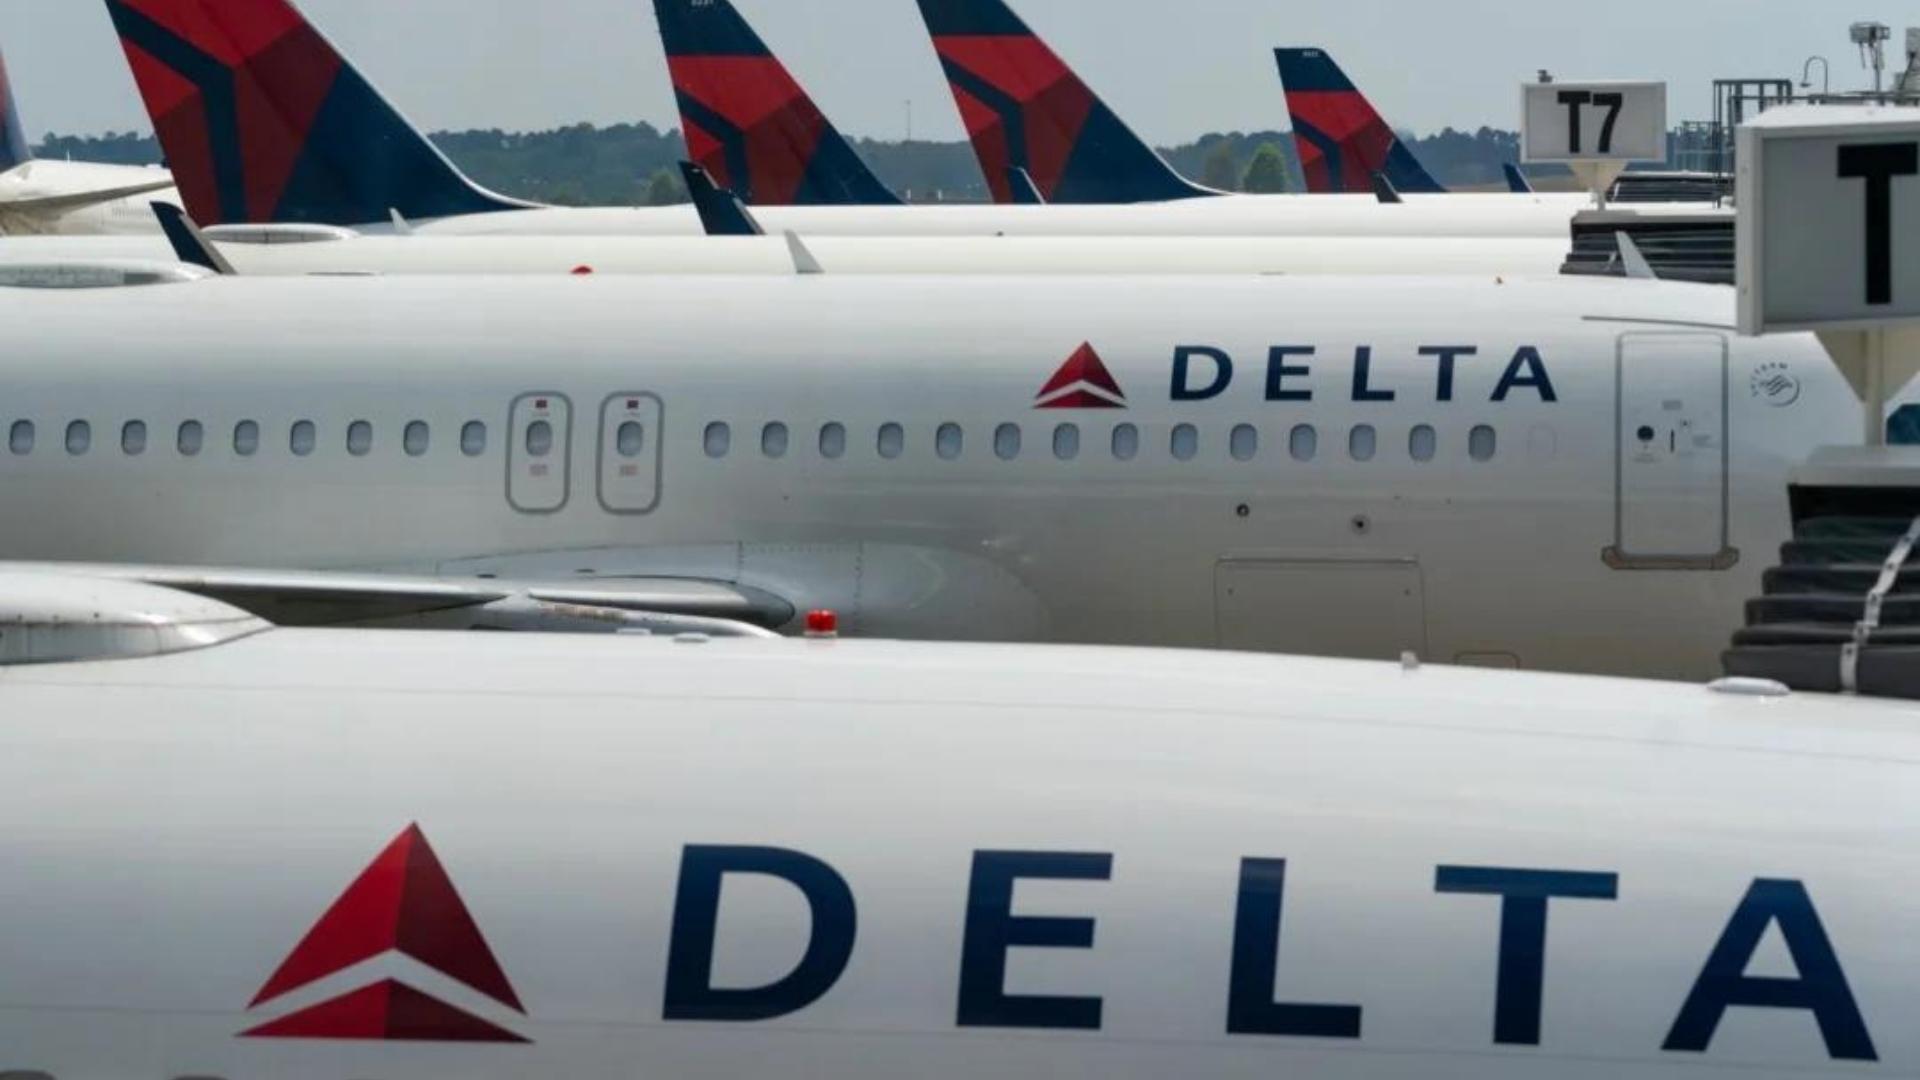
1826 75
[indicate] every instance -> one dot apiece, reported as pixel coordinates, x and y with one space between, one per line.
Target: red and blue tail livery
1025 109
14 150
746 120
1342 141
263 121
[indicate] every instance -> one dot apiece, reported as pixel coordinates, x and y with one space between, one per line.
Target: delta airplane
66 197
312 143
1581 475
308 855
328 250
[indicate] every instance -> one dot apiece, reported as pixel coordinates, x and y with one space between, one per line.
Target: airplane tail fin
1517 182
14 150
1024 108
748 123
263 121
1342 140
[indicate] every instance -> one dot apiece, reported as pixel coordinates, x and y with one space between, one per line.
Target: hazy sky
1173 68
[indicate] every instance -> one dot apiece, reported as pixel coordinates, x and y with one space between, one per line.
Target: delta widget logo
403 903
1083 382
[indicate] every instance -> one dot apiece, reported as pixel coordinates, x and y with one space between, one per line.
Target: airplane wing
335 598
60 204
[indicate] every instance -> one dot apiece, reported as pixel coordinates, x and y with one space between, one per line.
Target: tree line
636 164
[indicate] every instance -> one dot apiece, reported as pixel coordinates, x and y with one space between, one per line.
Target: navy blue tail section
721 212
263 121
1024 108
1343 141
748 123
13 138
1517 182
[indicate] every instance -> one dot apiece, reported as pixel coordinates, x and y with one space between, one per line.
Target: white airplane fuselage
837 254
50 197
318 854
1490 216
1577 475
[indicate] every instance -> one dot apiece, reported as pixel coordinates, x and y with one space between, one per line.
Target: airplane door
539 453
1671 464
629 457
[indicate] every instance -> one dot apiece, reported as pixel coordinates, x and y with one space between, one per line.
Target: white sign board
1829 219
1596 121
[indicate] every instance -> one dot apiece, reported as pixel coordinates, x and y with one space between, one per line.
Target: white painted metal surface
171 831
926 455
959 254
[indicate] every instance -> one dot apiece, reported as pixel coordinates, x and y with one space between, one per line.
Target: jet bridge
1827 198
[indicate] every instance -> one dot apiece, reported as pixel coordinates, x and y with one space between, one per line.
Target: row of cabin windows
303 438
1124 443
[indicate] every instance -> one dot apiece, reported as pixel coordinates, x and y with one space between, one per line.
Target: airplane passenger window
1126 442
630 439
833 441
1482 443
473 438
893 441
360 438
133 438
302 439
1362 442
1066 442
1303 443
1185 442
1006 442
20 439
1423 443
949 441
416 438
718 439
246 438
79 437
539 438
773 440
1245 442
191 437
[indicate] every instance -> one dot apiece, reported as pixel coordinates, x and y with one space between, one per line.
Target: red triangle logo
1083 382
387 1010
403 902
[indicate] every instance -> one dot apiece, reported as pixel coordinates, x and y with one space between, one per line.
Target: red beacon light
581 271
823 624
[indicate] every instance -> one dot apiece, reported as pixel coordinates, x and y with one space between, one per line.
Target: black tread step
1846 579
1822 634
1829 608
1892 671
1834 552
1851 527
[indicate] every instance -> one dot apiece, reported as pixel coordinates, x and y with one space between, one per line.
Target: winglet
264 122
1384 190
1024 107
1025 192
1635 261
190 246
804 263
14 150
1517 182
1341 138
748 122
721 211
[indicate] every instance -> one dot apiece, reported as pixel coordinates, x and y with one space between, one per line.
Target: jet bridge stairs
1840 613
